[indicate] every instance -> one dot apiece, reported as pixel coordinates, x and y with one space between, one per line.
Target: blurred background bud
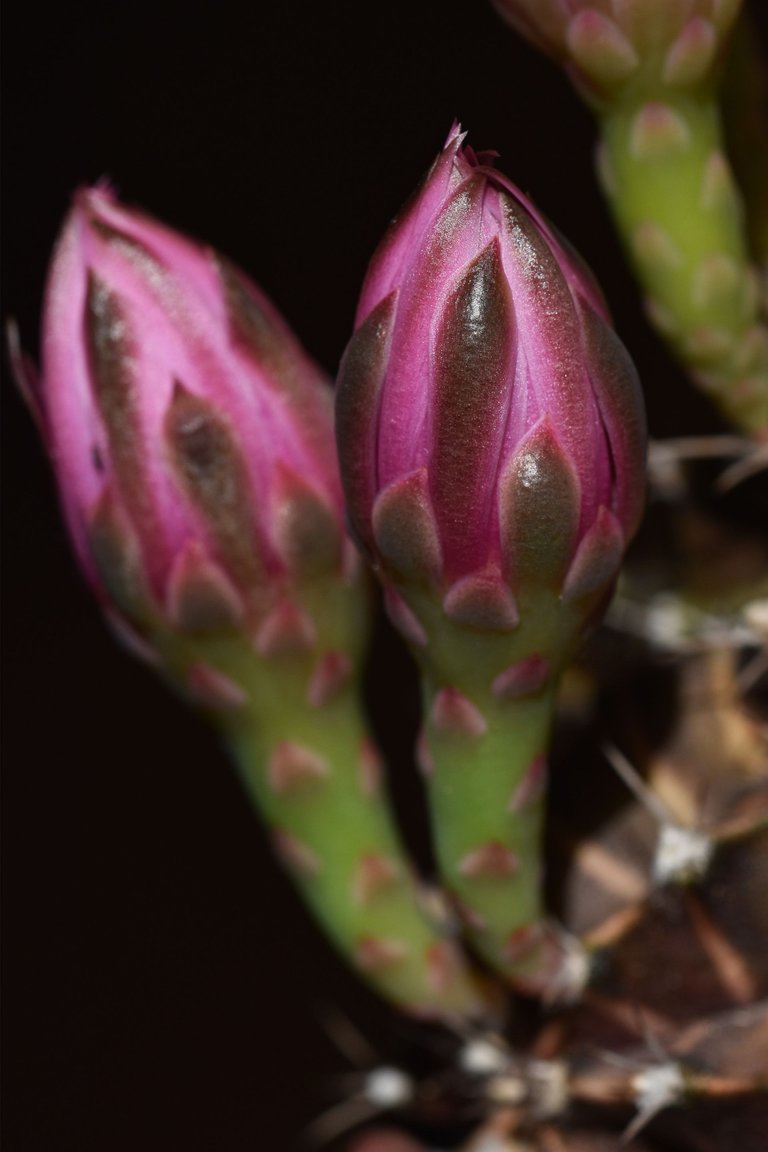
615 46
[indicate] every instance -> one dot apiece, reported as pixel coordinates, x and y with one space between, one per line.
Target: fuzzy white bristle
655 1089
483 1057
388 1087
682 854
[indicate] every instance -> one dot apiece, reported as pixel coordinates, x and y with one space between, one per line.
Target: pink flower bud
190 434
608 44
490 425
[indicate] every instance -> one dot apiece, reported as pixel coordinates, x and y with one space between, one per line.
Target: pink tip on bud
190 434
489 421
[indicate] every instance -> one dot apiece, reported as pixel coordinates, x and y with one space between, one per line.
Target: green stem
301 748
679 212
489 706
335 833
487 799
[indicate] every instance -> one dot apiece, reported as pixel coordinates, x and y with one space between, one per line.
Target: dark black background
161 981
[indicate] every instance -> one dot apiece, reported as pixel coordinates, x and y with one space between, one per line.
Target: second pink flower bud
191 435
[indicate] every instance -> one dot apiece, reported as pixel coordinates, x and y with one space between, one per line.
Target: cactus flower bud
192 439
614 47
492 439
490 426
190 434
